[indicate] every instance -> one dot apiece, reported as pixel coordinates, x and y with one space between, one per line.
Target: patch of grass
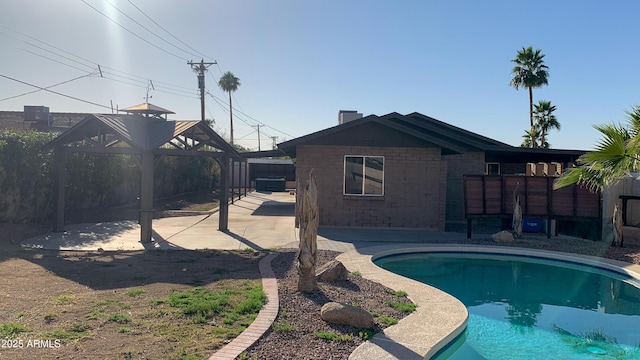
10 330
199 301
365 334
21 314
398 293
331 336
64 299
405 307
248 250
94 314
373 313
254 301
124 330
356 273
120 319
135 292
388 320
76 331
282 326
156 302
105 303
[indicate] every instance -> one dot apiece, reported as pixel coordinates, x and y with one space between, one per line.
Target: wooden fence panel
536 195
493 196
473 195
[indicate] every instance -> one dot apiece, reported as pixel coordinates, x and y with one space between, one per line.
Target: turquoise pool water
530 308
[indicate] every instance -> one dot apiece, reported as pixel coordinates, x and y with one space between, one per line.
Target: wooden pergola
145 137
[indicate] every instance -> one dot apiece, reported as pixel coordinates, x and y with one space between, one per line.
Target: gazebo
144 134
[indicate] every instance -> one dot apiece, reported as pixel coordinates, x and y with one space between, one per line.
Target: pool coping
439 317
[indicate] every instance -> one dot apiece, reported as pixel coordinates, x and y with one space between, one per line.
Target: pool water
530 308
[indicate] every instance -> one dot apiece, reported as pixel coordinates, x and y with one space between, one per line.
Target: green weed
135 292
10 330
331 336
388 320
405 307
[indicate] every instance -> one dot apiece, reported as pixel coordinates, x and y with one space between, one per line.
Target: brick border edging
263 321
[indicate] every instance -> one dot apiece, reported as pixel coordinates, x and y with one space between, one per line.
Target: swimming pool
531 308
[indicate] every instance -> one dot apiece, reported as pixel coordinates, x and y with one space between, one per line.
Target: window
364 175
492 168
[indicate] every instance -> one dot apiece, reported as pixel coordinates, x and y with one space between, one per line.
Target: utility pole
274 138
200 69
258 127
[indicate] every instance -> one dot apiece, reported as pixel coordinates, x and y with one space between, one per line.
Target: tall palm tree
529 72
545 120
229 83
615 156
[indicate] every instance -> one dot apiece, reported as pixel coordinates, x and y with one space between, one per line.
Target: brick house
403 170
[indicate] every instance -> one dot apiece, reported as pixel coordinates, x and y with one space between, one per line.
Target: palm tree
529 72
615 156
530 138
545 120
229 83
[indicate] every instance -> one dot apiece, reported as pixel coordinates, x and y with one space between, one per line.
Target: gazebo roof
142 133
146 108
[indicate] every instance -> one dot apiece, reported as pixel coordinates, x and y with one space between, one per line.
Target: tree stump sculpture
517 213
309 219
617 224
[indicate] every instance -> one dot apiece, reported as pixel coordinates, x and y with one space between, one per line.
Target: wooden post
146 196
246 176
223 220
233 170
59 157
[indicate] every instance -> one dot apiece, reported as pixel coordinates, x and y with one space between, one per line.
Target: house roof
425 130
141 132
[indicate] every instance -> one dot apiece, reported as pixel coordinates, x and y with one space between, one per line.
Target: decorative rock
343 314
503 236
332 271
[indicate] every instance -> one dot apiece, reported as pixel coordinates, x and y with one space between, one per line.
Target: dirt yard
90 305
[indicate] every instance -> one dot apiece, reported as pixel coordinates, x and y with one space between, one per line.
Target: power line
55 92
219 101
47 44
133 33
48 87
167 31
151 32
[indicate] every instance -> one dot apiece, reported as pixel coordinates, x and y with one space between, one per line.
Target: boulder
503 236
344 314
332 271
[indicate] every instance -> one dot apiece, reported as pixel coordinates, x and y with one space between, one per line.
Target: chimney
348 115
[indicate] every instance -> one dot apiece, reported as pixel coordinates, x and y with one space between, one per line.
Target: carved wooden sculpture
517 213
309 219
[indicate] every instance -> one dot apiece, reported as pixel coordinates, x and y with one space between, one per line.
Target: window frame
364 162
488 164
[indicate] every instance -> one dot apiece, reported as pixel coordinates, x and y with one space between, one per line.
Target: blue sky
300 62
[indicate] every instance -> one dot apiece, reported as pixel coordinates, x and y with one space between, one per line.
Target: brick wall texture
414 186
458 166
